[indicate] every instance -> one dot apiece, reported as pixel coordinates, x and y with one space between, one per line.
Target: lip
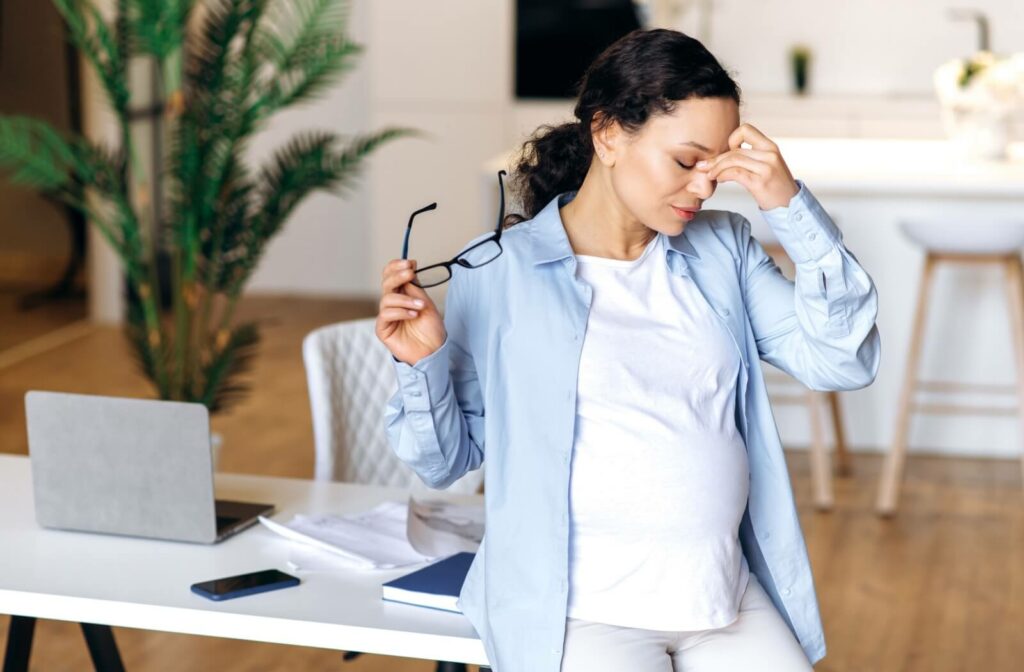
687 213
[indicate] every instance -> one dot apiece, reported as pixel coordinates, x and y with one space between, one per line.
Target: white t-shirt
659 477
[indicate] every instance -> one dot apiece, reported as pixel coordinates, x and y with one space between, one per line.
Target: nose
702 186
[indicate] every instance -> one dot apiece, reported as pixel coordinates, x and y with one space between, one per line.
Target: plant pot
216 441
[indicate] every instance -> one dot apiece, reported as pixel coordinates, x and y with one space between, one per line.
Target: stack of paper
383 537
366 540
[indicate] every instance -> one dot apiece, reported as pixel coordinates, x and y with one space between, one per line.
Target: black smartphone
244 584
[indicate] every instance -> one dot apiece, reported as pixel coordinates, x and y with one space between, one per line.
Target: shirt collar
548 241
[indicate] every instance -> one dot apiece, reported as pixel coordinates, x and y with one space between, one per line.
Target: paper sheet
392 534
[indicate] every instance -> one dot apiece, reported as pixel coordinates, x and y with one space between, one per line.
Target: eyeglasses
480 254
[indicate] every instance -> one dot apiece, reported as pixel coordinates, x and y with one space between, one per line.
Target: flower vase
978 133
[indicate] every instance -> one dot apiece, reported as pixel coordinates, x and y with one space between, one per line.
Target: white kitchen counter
901 167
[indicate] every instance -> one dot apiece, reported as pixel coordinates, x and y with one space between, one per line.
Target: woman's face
653 170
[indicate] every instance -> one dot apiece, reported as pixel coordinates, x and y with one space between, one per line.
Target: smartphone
244 584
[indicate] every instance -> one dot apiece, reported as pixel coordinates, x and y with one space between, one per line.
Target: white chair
351 377
955 241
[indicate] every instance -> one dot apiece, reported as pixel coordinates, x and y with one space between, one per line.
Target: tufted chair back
351 377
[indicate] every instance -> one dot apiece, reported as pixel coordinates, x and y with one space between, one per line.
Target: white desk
140 583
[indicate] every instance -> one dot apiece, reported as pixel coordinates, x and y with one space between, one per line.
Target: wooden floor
939 588
18 325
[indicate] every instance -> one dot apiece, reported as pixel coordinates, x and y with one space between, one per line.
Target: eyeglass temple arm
408 228
501 194
432 206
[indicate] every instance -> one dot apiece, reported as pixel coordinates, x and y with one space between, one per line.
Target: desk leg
446 666
19 643
102 648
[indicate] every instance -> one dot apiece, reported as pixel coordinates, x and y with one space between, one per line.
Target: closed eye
682 165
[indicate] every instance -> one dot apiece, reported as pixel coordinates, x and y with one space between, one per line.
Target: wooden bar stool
956 242
815 401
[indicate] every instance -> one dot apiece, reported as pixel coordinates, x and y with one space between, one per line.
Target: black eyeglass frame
458 259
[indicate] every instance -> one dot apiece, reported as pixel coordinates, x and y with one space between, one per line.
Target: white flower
996 83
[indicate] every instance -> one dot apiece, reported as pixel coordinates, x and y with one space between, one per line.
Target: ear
606 139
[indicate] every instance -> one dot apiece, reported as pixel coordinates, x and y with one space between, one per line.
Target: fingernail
412 312
702 164
418 303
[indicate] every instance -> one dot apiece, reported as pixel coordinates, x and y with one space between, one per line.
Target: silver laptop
136 467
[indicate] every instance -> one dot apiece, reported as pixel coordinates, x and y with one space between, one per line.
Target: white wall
447 68
870 46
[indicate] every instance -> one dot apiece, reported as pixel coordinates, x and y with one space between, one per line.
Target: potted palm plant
225 67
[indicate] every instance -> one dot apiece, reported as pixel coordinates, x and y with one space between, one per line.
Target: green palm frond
157 26
304 47
224 76
136 333
224 241
220 388
211 53
35 153
291 30
309 162
319 66
88 30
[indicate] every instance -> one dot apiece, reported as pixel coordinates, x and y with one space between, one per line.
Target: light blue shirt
503 384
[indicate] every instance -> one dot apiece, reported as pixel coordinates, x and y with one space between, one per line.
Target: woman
639 511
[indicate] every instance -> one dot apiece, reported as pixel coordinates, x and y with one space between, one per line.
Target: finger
748 133
395 300
396 279
398 314
741 161
396 265
758 154
737 174
766 155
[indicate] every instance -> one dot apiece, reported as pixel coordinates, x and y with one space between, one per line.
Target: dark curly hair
644 73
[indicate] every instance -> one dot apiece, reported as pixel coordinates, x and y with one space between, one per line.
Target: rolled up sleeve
820 327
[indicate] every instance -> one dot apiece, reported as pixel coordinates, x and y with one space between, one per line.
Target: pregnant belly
692 488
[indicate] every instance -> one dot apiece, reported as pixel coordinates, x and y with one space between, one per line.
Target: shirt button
725 312
799 216
812 235
414 393
786 592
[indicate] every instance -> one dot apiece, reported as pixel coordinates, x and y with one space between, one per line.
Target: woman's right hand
410 330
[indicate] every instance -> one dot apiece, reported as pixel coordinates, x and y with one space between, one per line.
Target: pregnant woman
601 352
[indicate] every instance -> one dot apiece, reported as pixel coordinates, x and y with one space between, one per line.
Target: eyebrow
697 145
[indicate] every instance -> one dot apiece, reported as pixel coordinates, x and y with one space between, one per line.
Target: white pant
758 640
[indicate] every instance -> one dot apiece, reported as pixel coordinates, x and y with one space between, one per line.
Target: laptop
135 467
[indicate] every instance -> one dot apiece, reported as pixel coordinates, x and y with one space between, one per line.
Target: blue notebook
437 585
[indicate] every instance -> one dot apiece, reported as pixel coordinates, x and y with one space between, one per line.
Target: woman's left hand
759 169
